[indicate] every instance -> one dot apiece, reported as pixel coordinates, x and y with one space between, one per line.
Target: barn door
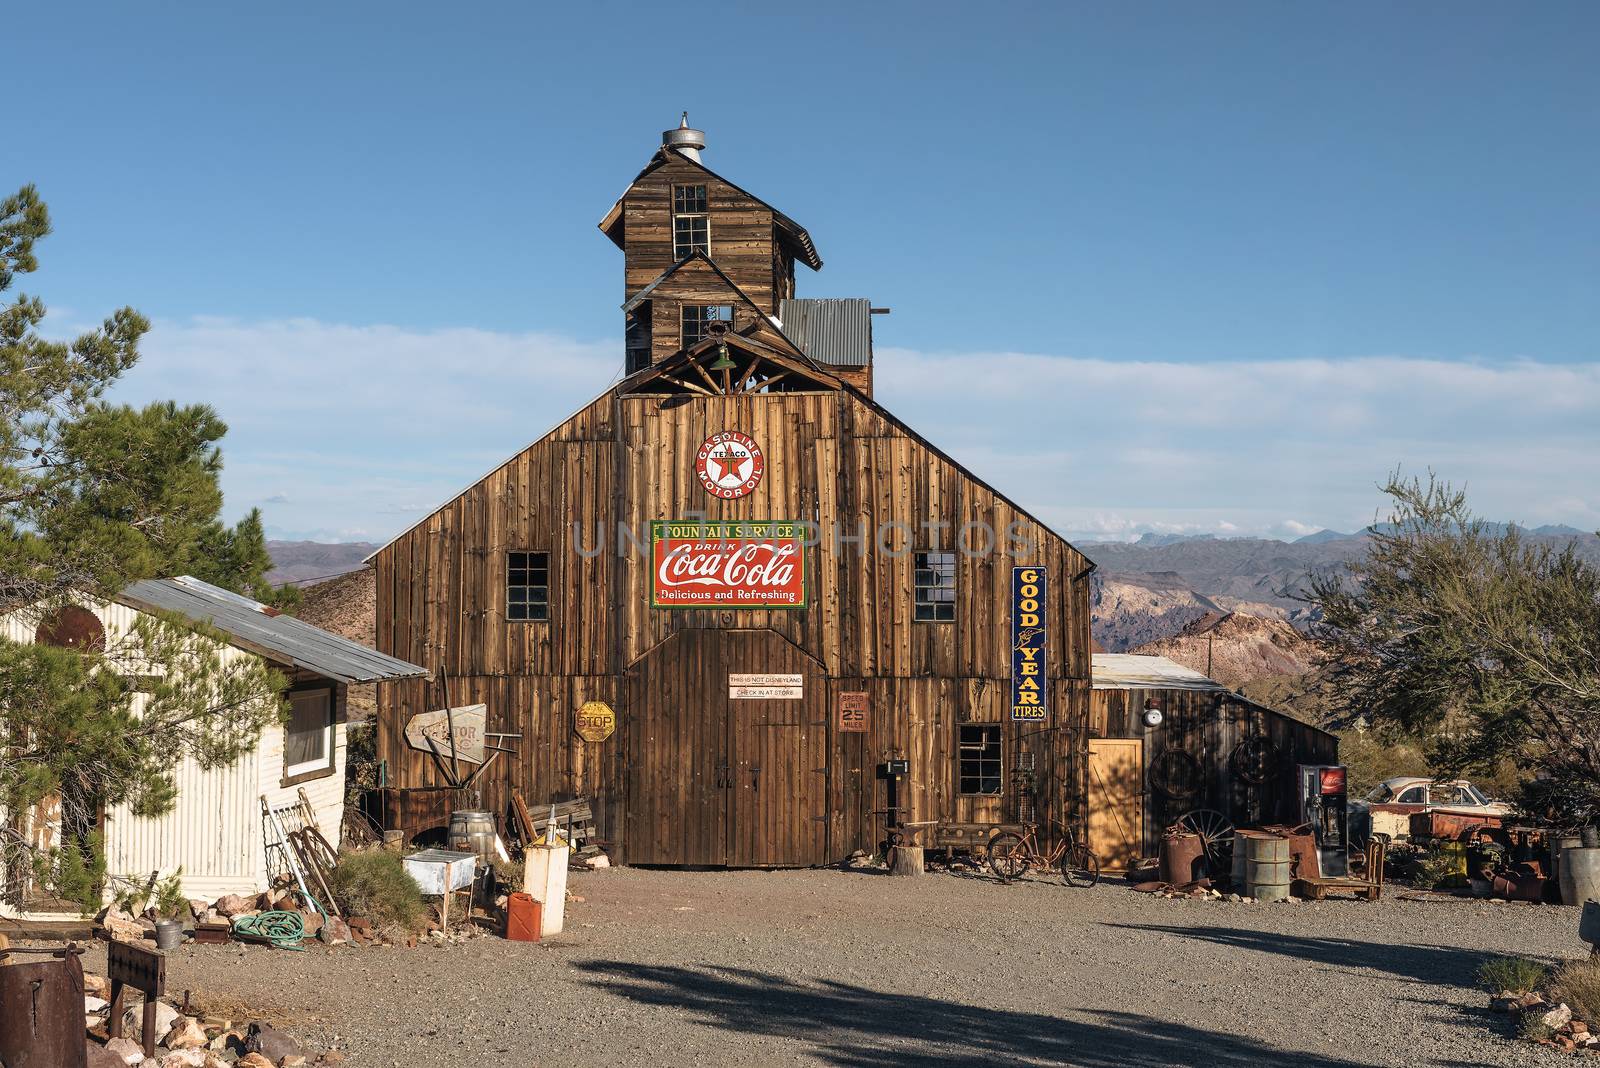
1116 801
679 774
716 780
779 815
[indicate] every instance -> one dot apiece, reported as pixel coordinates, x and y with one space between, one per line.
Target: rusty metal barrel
1266 867
1240 849
1183 858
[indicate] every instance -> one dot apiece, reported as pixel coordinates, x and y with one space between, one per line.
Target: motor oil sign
727 564
1028 686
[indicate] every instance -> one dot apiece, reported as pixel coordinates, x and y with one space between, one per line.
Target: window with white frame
691 226
308 736
697 316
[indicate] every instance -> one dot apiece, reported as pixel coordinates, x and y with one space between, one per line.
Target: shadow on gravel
1442 965
856 1026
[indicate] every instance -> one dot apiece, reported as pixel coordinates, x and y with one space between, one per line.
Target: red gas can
524 918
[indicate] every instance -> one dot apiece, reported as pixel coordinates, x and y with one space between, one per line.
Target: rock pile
1547 1024
191 1041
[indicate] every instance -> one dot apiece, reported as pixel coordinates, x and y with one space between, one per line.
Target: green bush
1578 984
1436 870
373 883
1513 974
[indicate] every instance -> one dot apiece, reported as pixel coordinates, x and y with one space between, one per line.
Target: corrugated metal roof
1127 671
836 331
280 638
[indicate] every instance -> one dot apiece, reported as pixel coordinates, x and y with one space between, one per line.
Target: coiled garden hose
282 929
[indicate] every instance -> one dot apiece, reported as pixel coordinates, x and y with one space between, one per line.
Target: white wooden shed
216 832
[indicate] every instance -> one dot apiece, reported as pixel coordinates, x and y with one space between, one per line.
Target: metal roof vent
685 139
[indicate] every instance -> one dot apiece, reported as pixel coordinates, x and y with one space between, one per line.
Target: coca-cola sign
727 564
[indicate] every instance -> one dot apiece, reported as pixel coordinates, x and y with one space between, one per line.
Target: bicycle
1012 854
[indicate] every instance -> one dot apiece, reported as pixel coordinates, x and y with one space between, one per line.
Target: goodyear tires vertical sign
1028 686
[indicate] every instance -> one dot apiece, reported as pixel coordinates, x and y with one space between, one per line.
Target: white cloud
360 430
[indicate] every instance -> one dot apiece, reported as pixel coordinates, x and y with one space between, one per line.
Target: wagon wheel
1175 773
1216 836
1254 760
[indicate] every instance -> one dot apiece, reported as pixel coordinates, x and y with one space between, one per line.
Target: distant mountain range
303 561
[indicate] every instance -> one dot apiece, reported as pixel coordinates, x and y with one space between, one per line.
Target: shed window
935 587
691 226
980 758
528 586
308 736
696 316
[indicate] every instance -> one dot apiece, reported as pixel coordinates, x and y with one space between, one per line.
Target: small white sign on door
766 687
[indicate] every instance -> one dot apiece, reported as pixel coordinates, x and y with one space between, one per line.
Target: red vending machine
1324 803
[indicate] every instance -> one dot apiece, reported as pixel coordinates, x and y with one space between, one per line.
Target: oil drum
1183 858
1267 867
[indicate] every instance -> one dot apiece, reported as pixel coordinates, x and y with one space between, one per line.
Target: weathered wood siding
832 459
1209 725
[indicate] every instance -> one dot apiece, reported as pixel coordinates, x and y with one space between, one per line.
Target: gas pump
1324 803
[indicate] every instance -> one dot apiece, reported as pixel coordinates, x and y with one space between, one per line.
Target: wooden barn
1165 741
735 602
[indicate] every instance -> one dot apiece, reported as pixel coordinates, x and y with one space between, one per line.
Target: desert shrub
1436 870
1533 1028
373 883
1514 974
1578 984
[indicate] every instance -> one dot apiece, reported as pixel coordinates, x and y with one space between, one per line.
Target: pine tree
93 496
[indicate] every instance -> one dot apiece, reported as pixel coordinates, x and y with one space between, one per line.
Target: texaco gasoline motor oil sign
729 464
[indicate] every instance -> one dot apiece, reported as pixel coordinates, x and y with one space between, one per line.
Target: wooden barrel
472 831
1266 867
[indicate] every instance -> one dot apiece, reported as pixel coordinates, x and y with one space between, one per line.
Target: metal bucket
472 831
1266 868
169 934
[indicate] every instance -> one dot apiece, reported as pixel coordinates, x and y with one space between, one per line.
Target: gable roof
759 351
845 387
794 235
755 309
255 628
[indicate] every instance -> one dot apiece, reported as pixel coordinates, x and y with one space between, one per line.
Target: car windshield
1380 793
1477 795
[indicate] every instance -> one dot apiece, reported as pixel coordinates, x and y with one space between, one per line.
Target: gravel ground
856 968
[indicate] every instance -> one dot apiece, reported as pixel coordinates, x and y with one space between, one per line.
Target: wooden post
907 860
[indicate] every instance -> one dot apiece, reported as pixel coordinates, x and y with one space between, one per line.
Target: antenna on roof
686 139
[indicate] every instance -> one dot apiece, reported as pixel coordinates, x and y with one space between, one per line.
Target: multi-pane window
691 226
980 758
935 587
696 316
528 586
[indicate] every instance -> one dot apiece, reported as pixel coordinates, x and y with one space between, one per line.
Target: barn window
528 586
691 226
935 587
696 316
980 758
308 735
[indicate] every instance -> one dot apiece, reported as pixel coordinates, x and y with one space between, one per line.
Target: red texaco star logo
729 464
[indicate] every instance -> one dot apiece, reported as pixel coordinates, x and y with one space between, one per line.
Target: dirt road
828 967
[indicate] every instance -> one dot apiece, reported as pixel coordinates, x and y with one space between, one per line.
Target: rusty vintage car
1387 810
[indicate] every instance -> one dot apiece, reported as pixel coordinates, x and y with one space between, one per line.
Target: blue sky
1255 255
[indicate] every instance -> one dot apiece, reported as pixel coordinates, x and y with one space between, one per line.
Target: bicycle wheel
1080 866
1008 856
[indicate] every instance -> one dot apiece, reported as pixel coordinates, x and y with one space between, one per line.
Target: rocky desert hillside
347 606
1235 648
